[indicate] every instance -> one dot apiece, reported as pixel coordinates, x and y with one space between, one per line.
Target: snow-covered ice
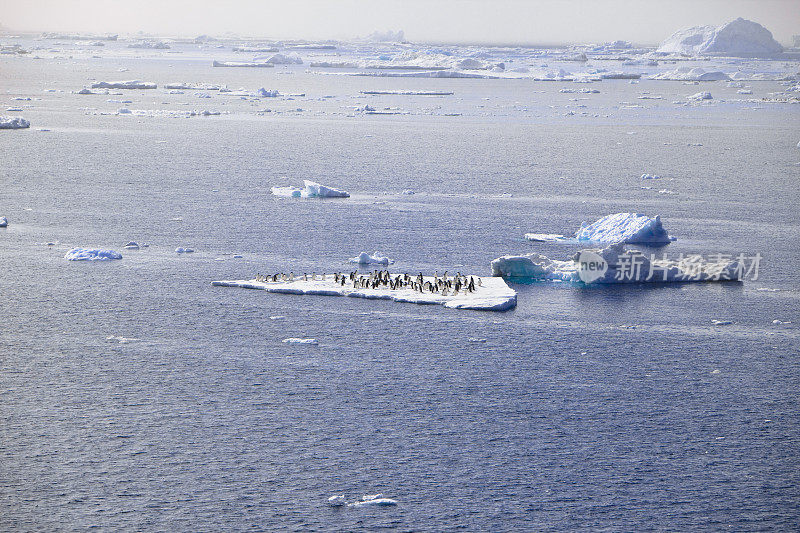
310 189
3 222
628 228
491 295
740 38
91 254
13 123
124 84
691 74
241 64
366 259
703 95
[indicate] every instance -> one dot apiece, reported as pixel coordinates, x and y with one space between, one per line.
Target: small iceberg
614 264
131 245
311 189
703 95
91 254
337 501
376 500
3 222
630 228
375 259
180 250
13 123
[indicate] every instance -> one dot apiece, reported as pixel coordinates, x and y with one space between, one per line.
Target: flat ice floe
13 123
691 74
124 84
622 266
409 93
241 64
310 189
492 295
91 254
630 228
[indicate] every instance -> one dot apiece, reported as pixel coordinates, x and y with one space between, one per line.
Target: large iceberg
91 254
13 123
631 228
739 38
617 265
310 190
491 295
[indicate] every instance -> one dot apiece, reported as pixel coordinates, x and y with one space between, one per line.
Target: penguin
305 276
479 282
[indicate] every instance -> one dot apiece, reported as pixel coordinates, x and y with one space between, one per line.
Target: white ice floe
618 266
691 74
296 340
268 93
650 177
717 322
400 92
91 254
282 59
149 45
374 500
3 222
491 295
366 259
179 113
242 64
703 95
132 245
631 228
310 190
255 49
739 38
194 86
337 501
13 123
181 250
124 84
544 237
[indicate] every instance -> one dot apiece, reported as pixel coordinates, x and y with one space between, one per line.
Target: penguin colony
382 279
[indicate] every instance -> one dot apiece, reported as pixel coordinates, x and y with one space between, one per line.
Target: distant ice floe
91 254
366 259
181 250
282 59
368 500
491 295
618 260
310 190
13 123
387 36
409 93
268 93
125 84
3 222
739 38
629 228
698 97
241 64
194 86
255 49
691 74
149 45
131 245
168 112
296 340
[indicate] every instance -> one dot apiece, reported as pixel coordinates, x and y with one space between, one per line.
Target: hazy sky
503 21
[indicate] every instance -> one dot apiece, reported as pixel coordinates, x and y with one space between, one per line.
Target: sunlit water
136 396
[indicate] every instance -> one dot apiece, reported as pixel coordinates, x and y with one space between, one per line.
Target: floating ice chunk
264 93
283 59
650 177
132 245
691 74
149 45
490 294
13 123
337 501
721 322
310 190
14 109
544 237
614 266
241 64
780 322
401 92
373 501
625 228
740 38
375 259
296 340
703 95
91 254
180 250
3 222
126 84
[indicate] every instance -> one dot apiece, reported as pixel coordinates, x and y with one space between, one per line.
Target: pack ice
310 189
91 254
624 266
739 38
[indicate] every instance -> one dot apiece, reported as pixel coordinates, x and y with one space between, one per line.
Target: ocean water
134 395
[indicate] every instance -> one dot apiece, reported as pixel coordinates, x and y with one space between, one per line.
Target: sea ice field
137 395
